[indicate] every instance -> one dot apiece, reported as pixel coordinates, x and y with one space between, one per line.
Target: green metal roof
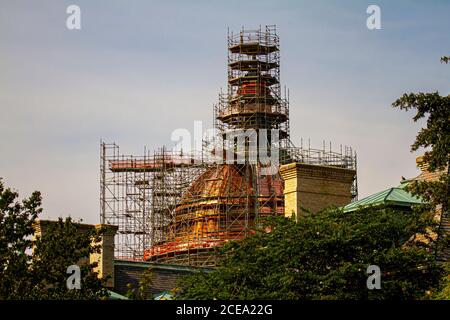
115 296
396 196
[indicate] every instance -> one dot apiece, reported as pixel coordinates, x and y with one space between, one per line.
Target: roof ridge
389 193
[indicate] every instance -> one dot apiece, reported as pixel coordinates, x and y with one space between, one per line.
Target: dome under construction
177 208
218 207
223 203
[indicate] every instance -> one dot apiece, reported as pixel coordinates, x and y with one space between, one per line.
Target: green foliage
325 256
16 226
42 274
436 109
142 292
63 245
435 137
444 293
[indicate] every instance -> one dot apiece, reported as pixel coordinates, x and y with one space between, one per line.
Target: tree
326 256
16 227
37 268
142 292
444 293
61 246
436 138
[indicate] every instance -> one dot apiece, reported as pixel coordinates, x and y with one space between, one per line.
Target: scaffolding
345 158
253 99
218 207
177 208
225 201
139 193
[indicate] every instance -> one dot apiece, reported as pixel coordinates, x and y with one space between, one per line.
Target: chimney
314 187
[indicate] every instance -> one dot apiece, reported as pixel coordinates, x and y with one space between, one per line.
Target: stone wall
314 187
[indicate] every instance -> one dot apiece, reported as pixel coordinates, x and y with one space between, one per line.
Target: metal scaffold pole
176 207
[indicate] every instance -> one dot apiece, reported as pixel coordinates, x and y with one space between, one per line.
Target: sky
138 70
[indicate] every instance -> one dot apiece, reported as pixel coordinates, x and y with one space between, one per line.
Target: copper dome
220 205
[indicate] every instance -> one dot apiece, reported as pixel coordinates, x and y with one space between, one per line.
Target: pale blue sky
137 70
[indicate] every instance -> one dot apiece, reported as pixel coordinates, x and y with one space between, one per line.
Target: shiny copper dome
220 205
